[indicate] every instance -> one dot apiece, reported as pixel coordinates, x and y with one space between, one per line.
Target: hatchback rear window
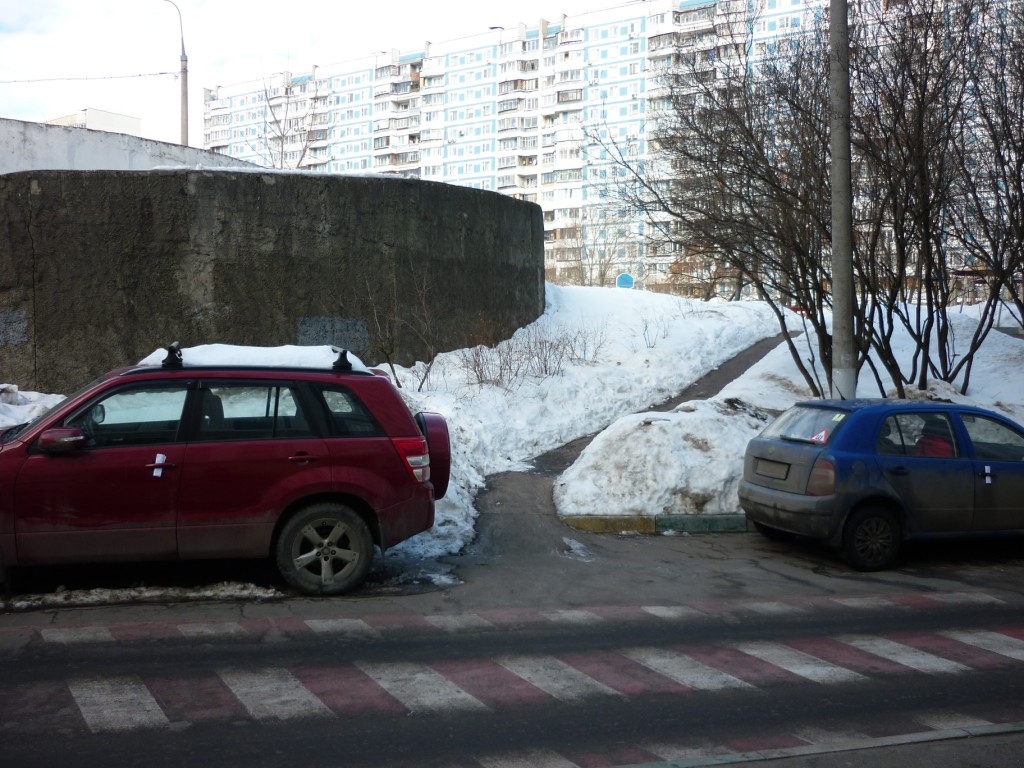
806 425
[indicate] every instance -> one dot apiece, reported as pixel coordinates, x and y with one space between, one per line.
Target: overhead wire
104 77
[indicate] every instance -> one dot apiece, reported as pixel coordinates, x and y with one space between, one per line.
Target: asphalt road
554 648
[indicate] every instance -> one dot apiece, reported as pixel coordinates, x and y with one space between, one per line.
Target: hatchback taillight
822 481
417 458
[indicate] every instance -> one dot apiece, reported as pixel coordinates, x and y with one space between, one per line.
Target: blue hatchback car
866 475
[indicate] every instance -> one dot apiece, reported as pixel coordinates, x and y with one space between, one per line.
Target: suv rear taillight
822 481
417 457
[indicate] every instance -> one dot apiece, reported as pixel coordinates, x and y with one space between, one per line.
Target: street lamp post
184 78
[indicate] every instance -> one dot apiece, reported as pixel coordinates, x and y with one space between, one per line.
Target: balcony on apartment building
516 48
698 18
517 85
318 137
220 137
431 83
729 16
663 43
510 105
397 161
570 37
432 65
560 218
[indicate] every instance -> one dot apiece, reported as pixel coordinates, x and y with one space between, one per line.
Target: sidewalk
950 749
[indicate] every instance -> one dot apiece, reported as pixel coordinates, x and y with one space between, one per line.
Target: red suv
312 467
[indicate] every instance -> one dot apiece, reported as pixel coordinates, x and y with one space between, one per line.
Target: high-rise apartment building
538 112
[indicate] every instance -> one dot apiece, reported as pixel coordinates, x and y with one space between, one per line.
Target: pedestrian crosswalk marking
215 629
903 654
773 608
683 669
420 688
866 602
672 611
945 720
77 635
835 739
116 704
991 641
569 616
122 702
965 598
535 758
555 677
273 694
347 627
799 663
459 622
686 752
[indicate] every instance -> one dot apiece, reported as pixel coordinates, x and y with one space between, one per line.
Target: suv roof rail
173 359
342 363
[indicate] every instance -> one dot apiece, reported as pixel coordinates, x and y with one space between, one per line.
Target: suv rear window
806 425
347 415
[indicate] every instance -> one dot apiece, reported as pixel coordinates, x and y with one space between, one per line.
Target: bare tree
989 227
737 175
914 116
294 120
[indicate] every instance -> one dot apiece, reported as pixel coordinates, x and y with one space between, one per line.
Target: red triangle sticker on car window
821 437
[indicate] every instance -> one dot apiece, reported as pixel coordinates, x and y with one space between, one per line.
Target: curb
655 524
811 750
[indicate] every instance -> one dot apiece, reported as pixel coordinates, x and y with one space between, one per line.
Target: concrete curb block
657 523
854 746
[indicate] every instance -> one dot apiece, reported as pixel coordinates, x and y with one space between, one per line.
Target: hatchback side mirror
61 440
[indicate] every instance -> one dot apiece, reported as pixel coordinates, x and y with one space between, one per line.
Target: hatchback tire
325 549
871 539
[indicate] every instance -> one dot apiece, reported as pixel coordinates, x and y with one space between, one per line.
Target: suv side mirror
61 440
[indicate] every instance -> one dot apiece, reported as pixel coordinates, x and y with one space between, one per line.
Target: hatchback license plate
773 469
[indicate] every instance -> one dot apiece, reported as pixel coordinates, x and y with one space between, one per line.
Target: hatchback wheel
871 540
325 549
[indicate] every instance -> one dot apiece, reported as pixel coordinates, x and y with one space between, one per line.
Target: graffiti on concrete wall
346 332
13 328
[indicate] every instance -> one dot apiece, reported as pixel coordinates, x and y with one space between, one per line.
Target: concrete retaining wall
98 268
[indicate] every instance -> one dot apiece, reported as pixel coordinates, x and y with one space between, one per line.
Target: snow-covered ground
595 362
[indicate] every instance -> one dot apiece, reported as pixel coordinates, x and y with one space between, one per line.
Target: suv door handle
303 458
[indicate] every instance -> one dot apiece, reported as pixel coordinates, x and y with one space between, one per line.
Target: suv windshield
807 425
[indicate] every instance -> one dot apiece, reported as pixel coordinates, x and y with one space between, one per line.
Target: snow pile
688 461
288 355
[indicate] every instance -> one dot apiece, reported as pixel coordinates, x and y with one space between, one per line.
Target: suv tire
871 539
324 549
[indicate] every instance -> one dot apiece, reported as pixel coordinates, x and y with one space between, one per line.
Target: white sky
226 41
